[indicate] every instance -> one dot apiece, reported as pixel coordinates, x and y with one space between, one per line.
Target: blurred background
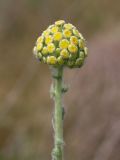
92 104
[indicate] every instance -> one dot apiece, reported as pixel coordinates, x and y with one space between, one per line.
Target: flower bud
48 39
40 39
61 44
67 33
81 54
39 46
60 60
81 43
68 26
79 62
74 40
57 36
72 48
39 56
51 60
64 54
54 29
60 22
51 47
44 51
64 44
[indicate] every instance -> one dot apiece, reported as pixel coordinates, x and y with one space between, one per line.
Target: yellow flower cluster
61 44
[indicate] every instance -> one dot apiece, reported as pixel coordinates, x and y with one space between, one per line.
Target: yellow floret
39 46
44 51
54 29
72 48
67 33
74 40
60 22
40 39
51 47
64 54
68 26
48 39
64 44
57 36
51 60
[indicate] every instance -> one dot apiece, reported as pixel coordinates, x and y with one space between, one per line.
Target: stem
57 153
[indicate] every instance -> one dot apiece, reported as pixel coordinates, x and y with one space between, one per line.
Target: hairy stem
57 153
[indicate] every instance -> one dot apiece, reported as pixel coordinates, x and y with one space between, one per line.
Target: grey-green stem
57 153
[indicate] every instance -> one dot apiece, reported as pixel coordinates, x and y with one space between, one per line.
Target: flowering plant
60 45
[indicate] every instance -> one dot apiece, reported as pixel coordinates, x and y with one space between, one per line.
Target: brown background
92 121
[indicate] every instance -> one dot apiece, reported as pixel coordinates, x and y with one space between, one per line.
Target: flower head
61 44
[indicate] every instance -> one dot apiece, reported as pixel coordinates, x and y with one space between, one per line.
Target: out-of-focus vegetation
92 123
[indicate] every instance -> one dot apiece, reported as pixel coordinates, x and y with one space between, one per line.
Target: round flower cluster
61 44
